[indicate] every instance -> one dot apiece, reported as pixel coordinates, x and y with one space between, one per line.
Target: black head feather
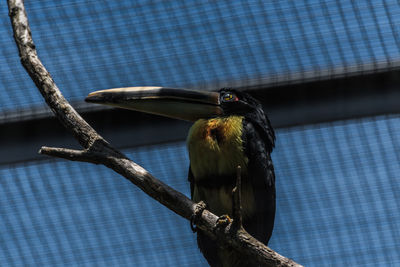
234 102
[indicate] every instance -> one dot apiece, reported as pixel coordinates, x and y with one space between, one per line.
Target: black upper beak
181 104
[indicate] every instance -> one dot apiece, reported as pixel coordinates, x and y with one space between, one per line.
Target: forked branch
97 150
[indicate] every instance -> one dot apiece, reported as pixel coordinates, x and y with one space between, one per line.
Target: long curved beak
189 105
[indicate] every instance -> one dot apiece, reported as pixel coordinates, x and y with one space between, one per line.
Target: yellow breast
216 147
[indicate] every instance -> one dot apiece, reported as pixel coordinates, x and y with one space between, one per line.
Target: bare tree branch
98 151
72 154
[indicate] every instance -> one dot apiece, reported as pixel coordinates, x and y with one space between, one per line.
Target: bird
230 129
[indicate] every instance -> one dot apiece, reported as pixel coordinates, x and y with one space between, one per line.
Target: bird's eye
228 97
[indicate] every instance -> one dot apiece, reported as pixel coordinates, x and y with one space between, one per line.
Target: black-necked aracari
230 129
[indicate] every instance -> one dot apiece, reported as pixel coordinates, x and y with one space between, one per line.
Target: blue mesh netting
89 45
337 188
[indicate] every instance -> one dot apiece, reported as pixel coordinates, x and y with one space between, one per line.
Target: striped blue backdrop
89 45
337 194
338 189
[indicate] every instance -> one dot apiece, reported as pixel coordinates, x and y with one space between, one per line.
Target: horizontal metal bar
290 80
289 105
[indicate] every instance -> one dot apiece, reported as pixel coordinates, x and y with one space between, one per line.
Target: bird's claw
223 221
198 210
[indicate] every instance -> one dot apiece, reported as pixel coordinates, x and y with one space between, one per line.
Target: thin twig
72 154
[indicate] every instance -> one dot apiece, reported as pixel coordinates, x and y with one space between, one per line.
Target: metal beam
298 104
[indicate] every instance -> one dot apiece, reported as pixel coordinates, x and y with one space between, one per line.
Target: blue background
337 188
337 183
89 45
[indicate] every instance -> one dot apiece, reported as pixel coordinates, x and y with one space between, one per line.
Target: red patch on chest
215 131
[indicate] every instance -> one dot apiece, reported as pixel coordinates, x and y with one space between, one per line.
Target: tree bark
98 151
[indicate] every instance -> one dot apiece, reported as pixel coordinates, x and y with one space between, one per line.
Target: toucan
229 129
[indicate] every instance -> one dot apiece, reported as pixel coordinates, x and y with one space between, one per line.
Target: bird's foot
223 221
198 210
